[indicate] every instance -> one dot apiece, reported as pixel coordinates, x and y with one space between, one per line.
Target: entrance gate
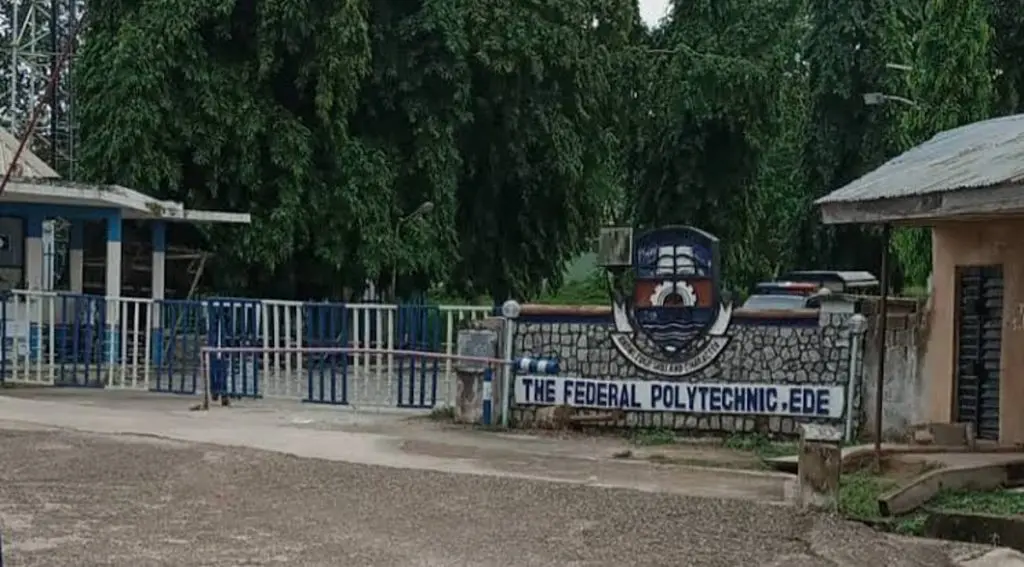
235 323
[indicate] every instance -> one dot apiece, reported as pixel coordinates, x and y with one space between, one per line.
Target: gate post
510 311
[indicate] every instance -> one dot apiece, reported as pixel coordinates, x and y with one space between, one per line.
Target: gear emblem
674 294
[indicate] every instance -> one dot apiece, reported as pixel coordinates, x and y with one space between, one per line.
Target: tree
536 169
718 81
243 106
1006 18
331 121
848 47
950 82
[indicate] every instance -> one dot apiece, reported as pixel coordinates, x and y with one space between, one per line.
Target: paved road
83 498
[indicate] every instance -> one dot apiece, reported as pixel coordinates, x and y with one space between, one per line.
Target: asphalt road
82 499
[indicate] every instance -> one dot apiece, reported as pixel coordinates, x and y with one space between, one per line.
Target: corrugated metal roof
982 154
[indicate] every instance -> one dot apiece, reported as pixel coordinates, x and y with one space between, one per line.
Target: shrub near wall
803 348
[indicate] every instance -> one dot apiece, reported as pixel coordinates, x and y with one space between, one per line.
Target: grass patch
652 437
996 502
859 492
858 499
761 445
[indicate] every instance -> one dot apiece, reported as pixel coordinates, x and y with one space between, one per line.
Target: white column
76 256
113 281
113 290
34 252
158 288
158 284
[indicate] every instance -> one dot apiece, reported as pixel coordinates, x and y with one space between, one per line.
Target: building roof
36 183
131 203
975 169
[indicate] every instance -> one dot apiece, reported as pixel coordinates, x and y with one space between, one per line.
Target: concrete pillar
113 287
34 252
113 280
819 467
159 259
76 256
158 286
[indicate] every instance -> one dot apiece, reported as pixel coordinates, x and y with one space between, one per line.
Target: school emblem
673 321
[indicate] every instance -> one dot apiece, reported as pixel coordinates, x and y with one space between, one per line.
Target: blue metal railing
84 340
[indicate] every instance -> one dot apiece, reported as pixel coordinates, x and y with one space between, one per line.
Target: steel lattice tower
32 33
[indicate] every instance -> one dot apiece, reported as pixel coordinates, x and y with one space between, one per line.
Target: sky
653 10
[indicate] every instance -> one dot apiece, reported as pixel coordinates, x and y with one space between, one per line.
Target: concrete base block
469 397
944 434
819 466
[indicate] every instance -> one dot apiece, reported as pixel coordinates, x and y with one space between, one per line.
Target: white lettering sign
643 395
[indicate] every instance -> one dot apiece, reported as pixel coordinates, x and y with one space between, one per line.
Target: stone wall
765 348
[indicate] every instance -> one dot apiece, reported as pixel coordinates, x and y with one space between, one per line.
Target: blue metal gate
83 344
419 329
179 333
235 323
326 373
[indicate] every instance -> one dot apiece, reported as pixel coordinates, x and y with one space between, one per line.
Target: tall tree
243 106
950 82
1007 21
332 121
847 48
536 167
716 76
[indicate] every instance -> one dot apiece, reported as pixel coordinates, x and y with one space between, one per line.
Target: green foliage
330 121
527 125
761 445
951 84
591 291
997 502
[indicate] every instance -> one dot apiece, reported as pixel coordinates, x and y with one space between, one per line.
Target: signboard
476 343
707 398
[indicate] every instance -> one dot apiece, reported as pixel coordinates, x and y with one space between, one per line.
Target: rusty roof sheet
982 154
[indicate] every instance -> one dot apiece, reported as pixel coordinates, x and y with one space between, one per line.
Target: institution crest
671 320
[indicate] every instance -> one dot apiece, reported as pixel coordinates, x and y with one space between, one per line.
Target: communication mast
32 33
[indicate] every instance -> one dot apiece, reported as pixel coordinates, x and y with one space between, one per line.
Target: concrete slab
939 455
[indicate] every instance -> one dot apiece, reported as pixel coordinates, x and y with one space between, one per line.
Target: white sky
653 10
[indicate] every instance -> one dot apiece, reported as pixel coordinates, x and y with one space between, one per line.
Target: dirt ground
97 482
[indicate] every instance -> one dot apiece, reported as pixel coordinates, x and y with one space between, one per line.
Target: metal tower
32 33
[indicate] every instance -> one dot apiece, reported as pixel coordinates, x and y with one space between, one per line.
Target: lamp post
424 209
874 99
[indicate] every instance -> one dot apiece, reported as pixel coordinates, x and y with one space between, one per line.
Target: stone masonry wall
811 349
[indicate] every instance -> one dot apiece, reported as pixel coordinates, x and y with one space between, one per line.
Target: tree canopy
527 125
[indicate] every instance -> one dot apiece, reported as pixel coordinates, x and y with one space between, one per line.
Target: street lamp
874 99
424 209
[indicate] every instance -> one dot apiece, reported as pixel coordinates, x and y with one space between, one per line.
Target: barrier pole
487 393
